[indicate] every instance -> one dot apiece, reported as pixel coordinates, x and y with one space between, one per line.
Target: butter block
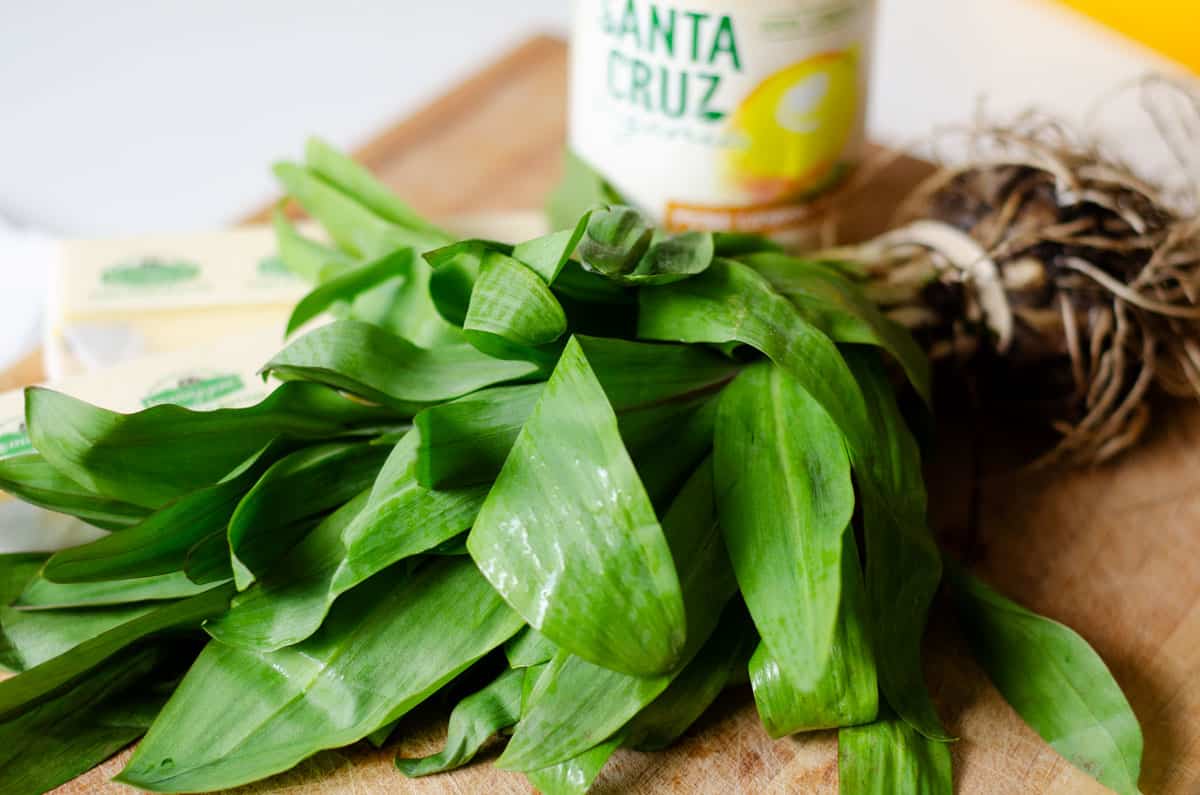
114 300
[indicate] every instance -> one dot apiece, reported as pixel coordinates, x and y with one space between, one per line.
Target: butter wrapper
115 300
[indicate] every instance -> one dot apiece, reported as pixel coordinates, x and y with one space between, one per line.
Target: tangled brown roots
1048 251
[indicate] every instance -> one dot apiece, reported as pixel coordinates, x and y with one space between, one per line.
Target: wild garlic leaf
17 571
785 502
614 241
357 182
1055 681
291 600
402 518
730 302
619 244
349 285
31 637
44 680
575 776
512 309
41 594
162 453
547 255
30 478
398 519
888 757
697 686
903 562
474 721
456 267
277 510
312 261
465 441
577 704
569 537
77 730
375 364
242 715
841 309
352 225
672 258
529 648
160 544
846 691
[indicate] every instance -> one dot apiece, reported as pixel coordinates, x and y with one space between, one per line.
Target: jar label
720 115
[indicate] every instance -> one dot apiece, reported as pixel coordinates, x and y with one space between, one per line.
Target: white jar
721 114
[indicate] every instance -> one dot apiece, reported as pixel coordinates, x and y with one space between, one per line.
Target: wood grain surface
1113 552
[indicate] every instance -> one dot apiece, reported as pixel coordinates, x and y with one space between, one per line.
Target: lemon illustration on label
795 127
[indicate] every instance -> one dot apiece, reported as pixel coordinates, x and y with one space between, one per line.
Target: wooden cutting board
1113 552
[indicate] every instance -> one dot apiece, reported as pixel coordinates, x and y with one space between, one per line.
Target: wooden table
1113 552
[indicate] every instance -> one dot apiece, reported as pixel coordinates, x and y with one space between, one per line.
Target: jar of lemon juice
735 115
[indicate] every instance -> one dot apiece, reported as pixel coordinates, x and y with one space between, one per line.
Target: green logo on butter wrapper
150 272
195 391
15 442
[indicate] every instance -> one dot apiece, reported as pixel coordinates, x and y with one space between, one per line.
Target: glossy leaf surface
785 502
569 537
136 458
242 715
368 361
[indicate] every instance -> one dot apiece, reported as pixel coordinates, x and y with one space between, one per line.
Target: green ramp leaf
44 680
291 600
729 302
312 261
30 478
696 687
575 776
278 510
72 733
577 704
241 715
785 502
568 535
349 285
904 565
154 456
29 638
889 757
360 184
846 691
161 543
841 309
512 309
373 363
1055 681
466 441
474 721
42 594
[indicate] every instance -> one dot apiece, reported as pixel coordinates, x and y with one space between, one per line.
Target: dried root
1049 251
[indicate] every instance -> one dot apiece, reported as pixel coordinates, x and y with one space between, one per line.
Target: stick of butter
113 300
219 374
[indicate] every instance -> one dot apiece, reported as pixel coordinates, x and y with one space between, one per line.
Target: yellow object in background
1170 26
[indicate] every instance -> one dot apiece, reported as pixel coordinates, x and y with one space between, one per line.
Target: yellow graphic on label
795 127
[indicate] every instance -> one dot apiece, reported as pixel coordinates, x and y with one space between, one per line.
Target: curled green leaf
1055 681
368 361
474 720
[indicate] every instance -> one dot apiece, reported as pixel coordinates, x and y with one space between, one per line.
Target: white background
124 116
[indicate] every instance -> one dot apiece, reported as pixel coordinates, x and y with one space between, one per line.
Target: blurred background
151 115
